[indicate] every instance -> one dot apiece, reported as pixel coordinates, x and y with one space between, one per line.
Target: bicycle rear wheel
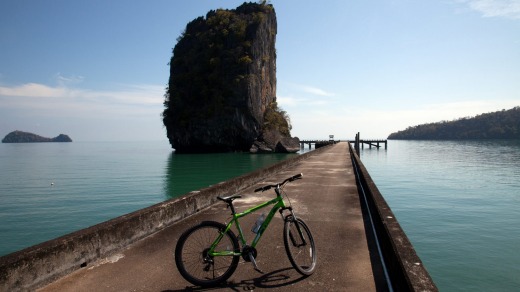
193 261
299 246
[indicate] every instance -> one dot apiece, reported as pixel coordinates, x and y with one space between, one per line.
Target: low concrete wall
404 267
41 264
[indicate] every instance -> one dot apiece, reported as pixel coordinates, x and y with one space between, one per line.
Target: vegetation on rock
276 119
503 124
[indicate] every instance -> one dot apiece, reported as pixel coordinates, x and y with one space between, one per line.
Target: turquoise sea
51 189
459 204
458 201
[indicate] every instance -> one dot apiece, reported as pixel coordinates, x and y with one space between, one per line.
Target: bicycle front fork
290 211
299 235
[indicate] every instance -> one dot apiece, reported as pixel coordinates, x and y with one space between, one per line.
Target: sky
97 70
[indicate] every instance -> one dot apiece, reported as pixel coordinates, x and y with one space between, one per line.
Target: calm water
459 203
51 189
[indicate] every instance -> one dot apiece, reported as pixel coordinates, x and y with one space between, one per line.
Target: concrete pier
327 198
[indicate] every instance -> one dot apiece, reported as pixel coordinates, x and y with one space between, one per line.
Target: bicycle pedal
255 266
260 271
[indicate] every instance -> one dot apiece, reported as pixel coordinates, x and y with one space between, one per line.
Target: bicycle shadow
274 279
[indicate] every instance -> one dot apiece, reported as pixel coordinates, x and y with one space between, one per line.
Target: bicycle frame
278 203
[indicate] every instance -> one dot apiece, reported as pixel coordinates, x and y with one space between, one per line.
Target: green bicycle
208 253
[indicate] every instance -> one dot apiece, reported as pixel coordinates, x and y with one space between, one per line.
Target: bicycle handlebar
290 179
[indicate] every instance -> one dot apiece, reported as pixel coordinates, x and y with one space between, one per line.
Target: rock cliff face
24 137
222 81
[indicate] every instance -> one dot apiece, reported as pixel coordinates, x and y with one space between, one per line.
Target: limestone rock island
25 137
221 94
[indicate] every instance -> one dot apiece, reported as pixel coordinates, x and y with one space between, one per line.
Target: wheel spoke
194 262
299 246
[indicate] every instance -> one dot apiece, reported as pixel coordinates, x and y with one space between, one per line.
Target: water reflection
189 172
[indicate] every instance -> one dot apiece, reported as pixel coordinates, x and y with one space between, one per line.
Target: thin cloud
298 95
290 101
134 94
287 100
496 8
41 101
68 80
32 90
129 94
316 91
306 89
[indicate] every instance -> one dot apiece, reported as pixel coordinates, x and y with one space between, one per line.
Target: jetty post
373 142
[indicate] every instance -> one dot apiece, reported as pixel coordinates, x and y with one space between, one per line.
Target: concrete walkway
326 198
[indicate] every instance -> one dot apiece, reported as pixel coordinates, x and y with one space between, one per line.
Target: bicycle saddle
229 199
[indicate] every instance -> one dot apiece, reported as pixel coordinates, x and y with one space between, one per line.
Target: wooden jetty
371 142
317 143
357 142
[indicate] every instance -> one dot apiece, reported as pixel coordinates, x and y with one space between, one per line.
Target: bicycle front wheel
194 262
299 246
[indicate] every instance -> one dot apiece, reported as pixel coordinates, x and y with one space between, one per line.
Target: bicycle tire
302 256
196 267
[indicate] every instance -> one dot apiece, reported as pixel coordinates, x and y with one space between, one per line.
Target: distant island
25 137
504 124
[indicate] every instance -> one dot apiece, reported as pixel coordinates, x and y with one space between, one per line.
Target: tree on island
504 124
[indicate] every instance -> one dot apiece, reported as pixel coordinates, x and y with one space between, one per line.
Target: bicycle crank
249 254
248 250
